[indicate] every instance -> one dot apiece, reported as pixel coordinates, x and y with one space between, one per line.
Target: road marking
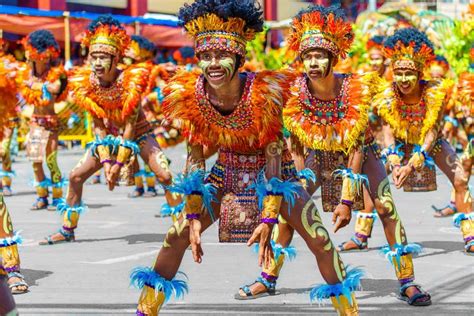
125 258
449 230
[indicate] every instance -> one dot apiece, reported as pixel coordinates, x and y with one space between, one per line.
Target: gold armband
271 206
124 154
104 153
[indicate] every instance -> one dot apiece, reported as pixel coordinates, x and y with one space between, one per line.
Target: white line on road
123 259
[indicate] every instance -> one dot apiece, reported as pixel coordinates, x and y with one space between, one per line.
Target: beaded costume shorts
232 174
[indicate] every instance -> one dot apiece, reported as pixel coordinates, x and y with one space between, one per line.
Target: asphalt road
90 276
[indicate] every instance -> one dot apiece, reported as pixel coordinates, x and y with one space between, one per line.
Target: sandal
68 237
439 212
270 286
95 180
138 192
414 300
14 286
361 246
40 204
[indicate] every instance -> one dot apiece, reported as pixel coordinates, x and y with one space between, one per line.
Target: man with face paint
412 110
239 114
43 88
112 97
327 117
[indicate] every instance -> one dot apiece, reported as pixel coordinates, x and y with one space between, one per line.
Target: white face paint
316 63
218 67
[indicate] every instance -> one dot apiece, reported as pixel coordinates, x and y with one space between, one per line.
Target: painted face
218 67
376 59
127 61
406 80
101 63
317 63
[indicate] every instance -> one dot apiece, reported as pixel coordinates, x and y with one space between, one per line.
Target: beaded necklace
239 119
413 113
107 95
323 112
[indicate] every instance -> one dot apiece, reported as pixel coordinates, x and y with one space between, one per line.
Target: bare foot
445 212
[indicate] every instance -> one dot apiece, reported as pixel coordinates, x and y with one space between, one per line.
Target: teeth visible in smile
216 74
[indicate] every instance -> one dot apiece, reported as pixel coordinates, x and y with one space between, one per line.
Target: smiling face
102 64
406 80
218 67
317 63
376 59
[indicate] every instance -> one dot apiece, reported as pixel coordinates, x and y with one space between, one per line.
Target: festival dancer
112 97
240 114
411 110
327 118
10 80
141 51
42 89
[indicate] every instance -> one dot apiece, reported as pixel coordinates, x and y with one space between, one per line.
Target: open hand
195 239
263 234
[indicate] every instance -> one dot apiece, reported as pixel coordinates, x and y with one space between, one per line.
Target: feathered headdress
409 49
106 35
40 45
375 42
140 49
321 27
222 24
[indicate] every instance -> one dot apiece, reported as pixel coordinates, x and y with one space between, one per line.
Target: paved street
90 276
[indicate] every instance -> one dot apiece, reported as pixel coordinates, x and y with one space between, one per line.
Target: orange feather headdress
321 27
106 35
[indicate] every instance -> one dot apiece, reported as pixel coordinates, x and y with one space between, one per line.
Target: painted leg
9 241
159 284
156 159
73 207
304 218
398 251
447 160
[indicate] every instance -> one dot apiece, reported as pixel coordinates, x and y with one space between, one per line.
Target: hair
324 11
441 59
377 39
143 42
104 20
186 52
409 36
248 10
41 40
